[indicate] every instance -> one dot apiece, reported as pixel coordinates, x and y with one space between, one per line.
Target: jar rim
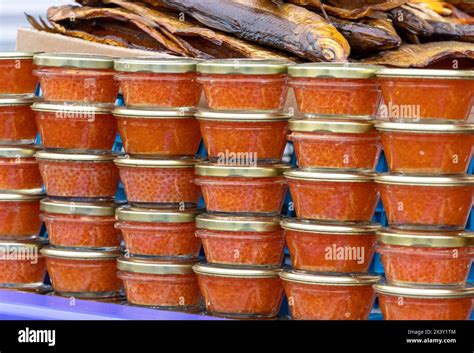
333 70
235 271
78 208
129 213
425 239
329 227
81 61
238 223
329 279
424 292
258 171
243 66
156 267
156 65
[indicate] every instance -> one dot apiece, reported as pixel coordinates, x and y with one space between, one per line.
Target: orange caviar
82 273
158 181
427 148
20 213
329 297
76 78
427 258
21 263
80 225
335 89
17 120
240 240
243 138
75 127
19 169
78 176
333 196
415 303
419 201
158 132
16 73
330 246
167 285
341 144
240 292
158 82
259 189
164 233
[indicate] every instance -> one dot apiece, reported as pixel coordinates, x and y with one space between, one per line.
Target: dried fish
426 25
286 27
211 43
368 35
422 55
465 5
351 9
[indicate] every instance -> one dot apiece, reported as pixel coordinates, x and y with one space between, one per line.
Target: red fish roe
427 148
16 73
330 246
415 303
158 132
341 144
17 120
79 176
241 240
240 84
76 78
426 94
240 292
75 127
243 138
80 225
324 195
421 201
20 213
21 263
164 233
159 181
427 258
329 297
158 82
18 168
335 89
168 285
83 273
259 189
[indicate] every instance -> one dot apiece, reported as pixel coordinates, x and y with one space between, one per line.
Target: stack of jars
244 130
21 265
331 240
427 195
160 136
78 132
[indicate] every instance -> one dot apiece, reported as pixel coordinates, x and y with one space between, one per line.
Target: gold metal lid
155 267
81 61
424 239
240 116
156 65
329 279
75 157
327 227
243 67
16 55
183 162
235 271
237 223
22 195
425 180
80 255
426 127
424 292
424 73
333 70
260 171
78 208
17 99
150 215
25 151
334 126
329 175
154 113
72 108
